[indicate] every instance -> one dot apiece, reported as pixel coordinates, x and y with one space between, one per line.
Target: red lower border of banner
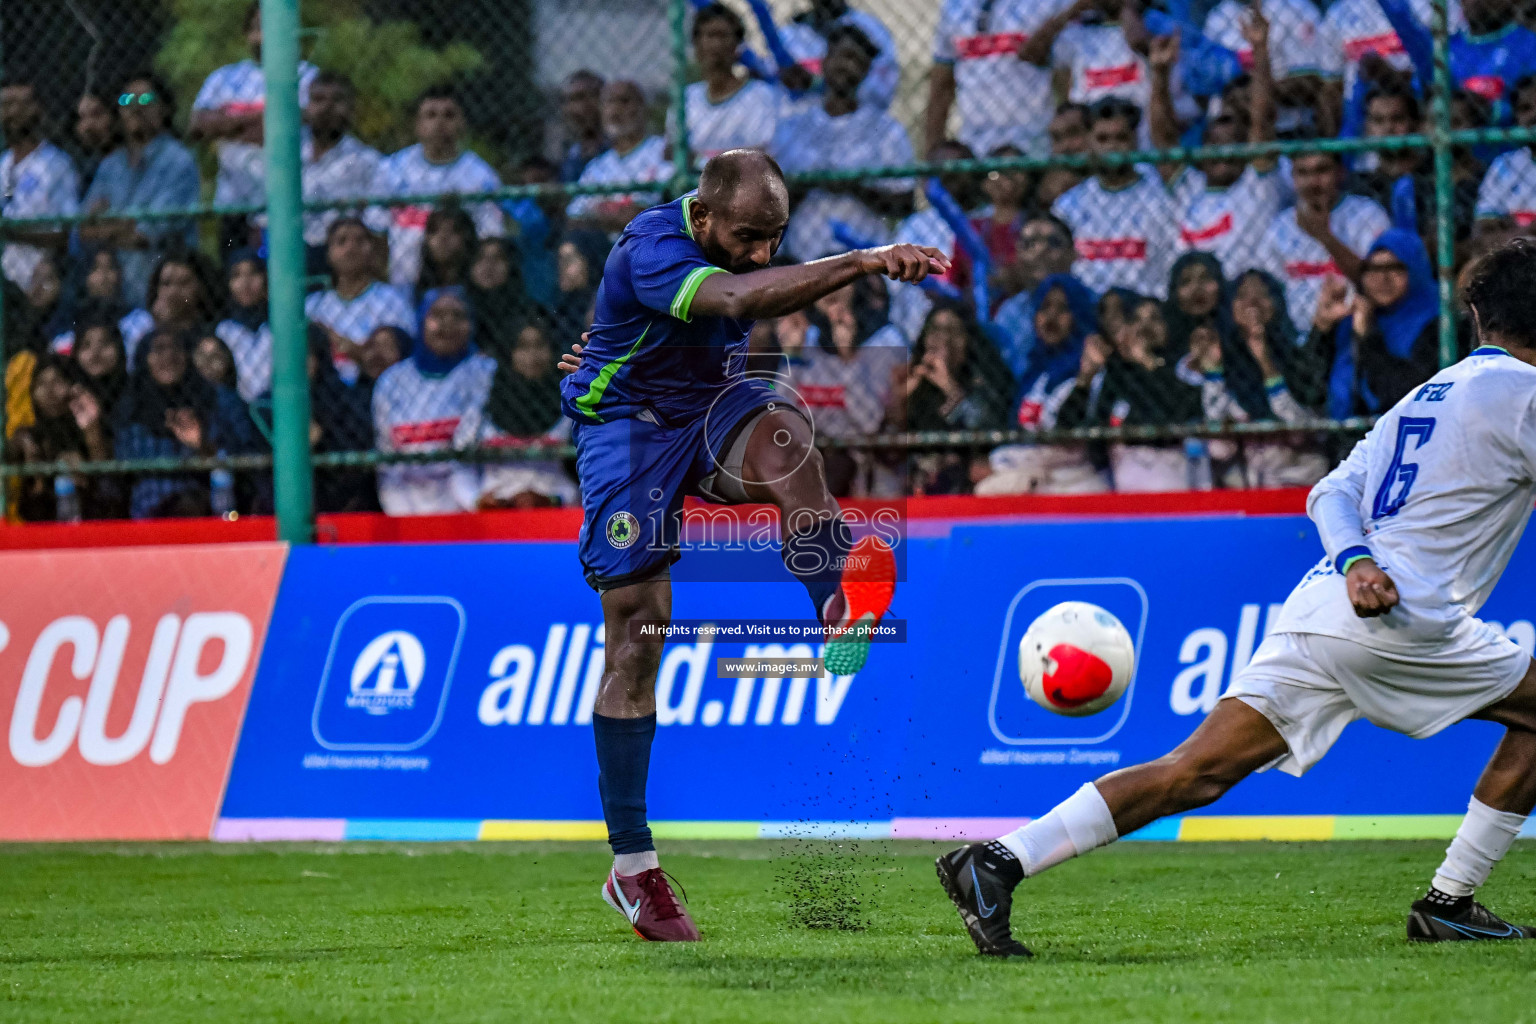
562 524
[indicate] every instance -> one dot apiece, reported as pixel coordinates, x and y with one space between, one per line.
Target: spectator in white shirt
228 112
1325 235
337 165
1305 61
728 109
808 38
39 180
1507 196
357 303
1002 98
1097 49
1225 206
436 165
419 403
1124 223
244 329
840 135
634 157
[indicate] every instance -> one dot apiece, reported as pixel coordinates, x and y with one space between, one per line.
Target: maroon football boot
653 910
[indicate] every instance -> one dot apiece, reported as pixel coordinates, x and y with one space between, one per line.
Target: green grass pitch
517 932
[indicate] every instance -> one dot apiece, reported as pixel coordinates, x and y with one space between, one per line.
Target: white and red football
1076 659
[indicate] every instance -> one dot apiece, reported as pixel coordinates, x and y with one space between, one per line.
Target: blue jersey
1489 66
646 350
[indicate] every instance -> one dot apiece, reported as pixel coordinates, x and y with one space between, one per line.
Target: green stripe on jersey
587 403
682 303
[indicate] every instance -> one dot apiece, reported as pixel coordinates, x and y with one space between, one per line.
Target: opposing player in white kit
1418 523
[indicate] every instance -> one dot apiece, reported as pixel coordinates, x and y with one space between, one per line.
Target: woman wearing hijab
1386 343
67 426
419 403
957 381
98 360
244 327
523 407
495 292
1253 371
578 270
1136 381
181 297
1197 295
447 249
170 411
1065 317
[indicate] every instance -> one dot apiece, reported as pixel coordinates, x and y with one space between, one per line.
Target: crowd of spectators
1280 290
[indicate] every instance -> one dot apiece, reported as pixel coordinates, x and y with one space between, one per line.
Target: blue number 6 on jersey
1401 475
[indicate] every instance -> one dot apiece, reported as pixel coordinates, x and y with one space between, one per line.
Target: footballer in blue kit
662 408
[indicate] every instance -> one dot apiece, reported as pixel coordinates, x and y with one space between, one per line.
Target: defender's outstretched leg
1234 741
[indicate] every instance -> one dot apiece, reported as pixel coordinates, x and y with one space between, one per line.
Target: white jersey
1228 222
346 171
1296 45
808 47
413 412
378 305
1001 99
410 173
745 120
41 184
816 141
1438 494
1102 64
242 89
252 351
846 398
646 164
1509 188
1124 237
1301 261
1355 28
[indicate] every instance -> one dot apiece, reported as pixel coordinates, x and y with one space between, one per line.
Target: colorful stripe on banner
1190 828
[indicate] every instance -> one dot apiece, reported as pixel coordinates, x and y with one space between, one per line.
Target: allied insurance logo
387 673
386 676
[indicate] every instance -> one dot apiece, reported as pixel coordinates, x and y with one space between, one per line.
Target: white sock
634 863
1079 823
1481 842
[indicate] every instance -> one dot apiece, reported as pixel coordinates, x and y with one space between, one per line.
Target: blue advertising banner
454 683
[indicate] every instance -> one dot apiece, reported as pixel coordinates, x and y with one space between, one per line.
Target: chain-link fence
1227 311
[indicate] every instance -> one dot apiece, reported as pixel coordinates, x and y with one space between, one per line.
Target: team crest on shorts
623 530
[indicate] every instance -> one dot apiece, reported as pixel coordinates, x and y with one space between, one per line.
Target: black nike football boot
980 879
1441 918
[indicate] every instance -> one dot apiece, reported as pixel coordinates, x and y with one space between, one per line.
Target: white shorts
1311 686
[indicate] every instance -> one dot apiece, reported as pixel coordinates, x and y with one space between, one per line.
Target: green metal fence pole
1445 214
291 470
682 158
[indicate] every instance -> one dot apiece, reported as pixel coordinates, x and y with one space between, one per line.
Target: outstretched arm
776 291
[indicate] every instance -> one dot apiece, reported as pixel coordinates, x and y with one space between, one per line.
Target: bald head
743 176
742 209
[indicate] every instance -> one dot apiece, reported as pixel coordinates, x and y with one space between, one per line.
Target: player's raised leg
623 725
1234 741
1500 804
851 584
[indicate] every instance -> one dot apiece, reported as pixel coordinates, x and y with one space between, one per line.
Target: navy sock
817 556
623 762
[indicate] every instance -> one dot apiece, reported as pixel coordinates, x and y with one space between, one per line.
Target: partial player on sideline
663 408
1418 524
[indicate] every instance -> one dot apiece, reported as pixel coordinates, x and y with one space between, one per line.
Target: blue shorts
634 473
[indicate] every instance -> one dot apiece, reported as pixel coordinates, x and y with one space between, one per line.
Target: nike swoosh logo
981 904
1466 929
630 912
